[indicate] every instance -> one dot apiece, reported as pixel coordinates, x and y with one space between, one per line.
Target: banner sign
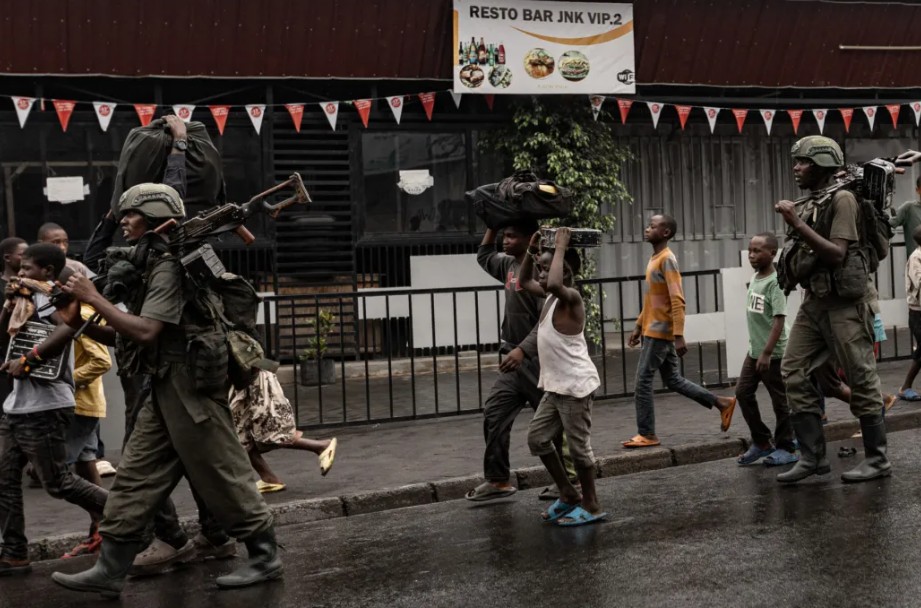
532 47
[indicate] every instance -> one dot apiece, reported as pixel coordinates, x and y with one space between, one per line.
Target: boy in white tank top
568 377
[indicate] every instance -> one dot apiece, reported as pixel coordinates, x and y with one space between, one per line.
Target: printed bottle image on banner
531 46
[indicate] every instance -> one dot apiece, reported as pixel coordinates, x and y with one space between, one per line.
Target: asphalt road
705 535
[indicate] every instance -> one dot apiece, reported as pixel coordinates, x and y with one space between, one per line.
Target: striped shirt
663 305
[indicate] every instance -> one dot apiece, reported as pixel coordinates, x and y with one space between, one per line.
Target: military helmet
823 151
153 201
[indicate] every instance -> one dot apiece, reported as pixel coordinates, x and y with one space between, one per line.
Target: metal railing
402 354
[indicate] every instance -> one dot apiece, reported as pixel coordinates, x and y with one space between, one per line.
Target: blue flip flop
580 517
557 510
910 394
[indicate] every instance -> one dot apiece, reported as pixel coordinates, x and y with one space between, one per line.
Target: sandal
909 394
753 455
888 402
327 457
780 457
726 415
487 491
557 510
265 487
642 441
580 517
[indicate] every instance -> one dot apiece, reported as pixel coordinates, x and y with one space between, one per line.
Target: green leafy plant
317 344
559 139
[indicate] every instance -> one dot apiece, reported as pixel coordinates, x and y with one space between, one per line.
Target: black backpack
522 196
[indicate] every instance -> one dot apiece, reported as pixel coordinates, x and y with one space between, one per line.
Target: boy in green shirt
767 338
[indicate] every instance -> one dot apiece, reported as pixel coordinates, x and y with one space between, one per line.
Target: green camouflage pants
842 334
180 431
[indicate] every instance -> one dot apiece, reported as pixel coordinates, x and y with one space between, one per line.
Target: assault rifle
188 239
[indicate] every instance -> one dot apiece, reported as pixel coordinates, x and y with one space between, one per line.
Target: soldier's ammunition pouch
797 264
852 277
207 356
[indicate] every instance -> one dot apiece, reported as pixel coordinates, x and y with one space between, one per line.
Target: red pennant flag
364 108
624 105
740 117
296 110
894 113
795 116
428 102
145 112
220 116
846 115
490 99
683 112
64 109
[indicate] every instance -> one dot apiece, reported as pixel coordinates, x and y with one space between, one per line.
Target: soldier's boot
812 460
875 463
263 563
107 576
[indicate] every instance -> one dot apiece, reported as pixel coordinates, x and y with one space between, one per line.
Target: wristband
532 252
33 354
24 361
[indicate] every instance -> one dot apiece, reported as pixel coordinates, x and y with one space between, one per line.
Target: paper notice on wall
534 47
65 189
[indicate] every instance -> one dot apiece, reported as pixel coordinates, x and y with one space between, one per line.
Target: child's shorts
572 415
82 439
914 325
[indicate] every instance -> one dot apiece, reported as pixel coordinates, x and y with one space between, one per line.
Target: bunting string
104 110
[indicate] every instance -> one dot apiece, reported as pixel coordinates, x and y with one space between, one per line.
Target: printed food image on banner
538 63
537 46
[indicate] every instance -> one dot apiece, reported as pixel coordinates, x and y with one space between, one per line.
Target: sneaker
11 567
160 557
753 455
205 549
87 546
105 468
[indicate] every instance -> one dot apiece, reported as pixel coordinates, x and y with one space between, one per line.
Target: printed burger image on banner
532 47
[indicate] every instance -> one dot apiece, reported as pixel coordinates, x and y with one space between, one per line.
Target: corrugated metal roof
725 43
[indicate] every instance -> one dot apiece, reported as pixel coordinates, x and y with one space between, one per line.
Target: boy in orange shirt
661 327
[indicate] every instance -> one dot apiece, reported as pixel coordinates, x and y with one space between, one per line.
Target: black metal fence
403 354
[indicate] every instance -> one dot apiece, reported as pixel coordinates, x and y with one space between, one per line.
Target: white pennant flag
768 116
104 111
916 108
184 112
256 113
820 116
331 110
870 111
23 107
655 108
596 101
396 106
456 97
712 113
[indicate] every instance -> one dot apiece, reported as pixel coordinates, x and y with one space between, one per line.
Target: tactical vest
800 265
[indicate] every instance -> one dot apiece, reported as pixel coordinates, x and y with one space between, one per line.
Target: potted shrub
315 368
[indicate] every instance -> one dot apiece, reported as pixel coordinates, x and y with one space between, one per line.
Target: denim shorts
82 439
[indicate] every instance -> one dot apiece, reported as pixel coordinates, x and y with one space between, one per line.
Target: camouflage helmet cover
154 201
823 151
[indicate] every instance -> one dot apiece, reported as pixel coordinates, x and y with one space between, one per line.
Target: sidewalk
388 456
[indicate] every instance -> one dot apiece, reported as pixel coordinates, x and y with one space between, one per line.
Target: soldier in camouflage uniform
826 256
181 429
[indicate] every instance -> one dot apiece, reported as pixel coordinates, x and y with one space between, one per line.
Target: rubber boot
263 563
812 460
875 463
107 576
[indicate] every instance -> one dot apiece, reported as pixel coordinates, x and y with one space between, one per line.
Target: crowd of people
184 419
830 350
179 421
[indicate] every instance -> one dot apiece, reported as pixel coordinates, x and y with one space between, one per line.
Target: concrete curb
621 463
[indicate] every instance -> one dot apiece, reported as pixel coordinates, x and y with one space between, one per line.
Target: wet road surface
705 535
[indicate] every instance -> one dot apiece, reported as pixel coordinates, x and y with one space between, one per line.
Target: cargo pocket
851 278
207 358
